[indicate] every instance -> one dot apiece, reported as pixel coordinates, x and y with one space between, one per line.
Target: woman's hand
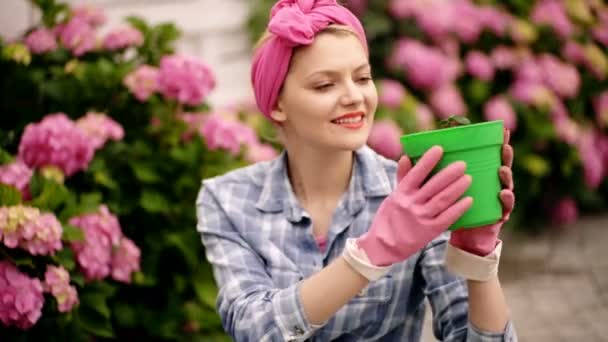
482 240
416 212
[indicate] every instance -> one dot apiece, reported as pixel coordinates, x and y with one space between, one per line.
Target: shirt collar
369 179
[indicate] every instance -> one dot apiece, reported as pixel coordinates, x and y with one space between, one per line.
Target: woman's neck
319 178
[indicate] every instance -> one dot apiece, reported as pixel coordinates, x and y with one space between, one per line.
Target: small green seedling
454 120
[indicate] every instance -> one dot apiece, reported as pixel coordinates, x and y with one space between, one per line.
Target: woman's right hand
417 211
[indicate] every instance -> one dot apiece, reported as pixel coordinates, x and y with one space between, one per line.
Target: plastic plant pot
479 146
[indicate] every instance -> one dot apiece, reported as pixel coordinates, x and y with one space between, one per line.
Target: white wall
214 30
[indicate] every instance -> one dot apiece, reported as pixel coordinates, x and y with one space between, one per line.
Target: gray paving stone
557 283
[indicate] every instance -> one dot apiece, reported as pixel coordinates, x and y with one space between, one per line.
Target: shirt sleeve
249 304
448 296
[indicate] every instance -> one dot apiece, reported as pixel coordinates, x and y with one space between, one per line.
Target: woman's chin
352 143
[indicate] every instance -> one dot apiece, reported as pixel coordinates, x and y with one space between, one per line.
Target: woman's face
328 98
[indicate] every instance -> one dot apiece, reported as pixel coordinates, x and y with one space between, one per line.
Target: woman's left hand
482 240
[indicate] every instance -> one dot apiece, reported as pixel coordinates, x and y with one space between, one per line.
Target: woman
330 241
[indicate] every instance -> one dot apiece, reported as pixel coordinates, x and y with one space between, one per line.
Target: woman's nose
352 94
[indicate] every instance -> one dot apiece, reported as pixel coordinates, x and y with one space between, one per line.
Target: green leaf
71 233
5 157
103 288
77 279
181 243
461 120
139 278
138 23
535 164
24 261
206 292
376 24
65 258
103 178
97 302
153 202
94 322
478 91
9 195
47 194
125 314
145 172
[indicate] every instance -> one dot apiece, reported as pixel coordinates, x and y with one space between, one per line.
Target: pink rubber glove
416 212
482 240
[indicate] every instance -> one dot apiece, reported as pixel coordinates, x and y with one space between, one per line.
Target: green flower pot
479 146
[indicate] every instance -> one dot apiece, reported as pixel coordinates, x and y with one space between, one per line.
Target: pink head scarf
293 23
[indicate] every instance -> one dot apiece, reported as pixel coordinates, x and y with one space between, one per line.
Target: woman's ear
278 114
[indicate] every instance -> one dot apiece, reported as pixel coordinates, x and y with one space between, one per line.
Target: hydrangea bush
541 66
104 140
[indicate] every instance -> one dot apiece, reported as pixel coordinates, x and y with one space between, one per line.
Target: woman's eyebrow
335 72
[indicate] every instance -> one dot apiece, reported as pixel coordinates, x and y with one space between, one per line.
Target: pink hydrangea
77 35
503 57
391 93
92 15
17 174
384 138
567 130
11 221
467 20
142 82
499 108
553 14
102 233
122 37
104 251
600 31
494 19
573 52
56 141
227 134
28 229
439 18
57 282
562 78
425 67
260 152
194 122
529 70
424 118
42 236
436 18
565 211
185 79
592 159
100 128
600 105
22 297
125 260
447 101
531 92
479 65
41 40
401 9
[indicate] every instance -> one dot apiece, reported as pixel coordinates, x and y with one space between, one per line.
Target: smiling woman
328 88
330 240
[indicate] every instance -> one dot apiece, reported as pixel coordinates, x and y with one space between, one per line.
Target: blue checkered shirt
260 243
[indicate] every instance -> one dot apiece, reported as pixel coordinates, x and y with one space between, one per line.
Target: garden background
112 113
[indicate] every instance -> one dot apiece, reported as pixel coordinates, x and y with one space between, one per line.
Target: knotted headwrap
293 23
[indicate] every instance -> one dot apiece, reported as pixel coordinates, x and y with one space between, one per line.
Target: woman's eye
323 86
365 79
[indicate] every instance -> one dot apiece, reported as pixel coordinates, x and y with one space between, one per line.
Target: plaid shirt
260 243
